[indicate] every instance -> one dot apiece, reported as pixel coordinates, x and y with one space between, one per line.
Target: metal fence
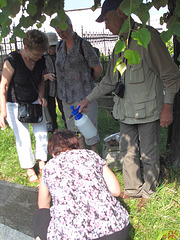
6 46
104 42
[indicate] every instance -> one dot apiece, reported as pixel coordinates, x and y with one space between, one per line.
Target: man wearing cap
142 108
51 84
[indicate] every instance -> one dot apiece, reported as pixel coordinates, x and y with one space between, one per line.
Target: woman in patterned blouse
83 192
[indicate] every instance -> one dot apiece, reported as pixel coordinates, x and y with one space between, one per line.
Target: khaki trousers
139 143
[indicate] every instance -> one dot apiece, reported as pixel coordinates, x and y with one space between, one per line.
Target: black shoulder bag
28 112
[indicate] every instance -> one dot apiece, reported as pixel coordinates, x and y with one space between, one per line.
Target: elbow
116 192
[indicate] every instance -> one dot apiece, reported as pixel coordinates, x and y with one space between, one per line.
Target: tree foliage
34 13
142 35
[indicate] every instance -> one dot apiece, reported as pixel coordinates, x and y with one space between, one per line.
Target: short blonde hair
36 40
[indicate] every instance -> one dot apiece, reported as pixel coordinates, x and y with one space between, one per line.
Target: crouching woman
83 191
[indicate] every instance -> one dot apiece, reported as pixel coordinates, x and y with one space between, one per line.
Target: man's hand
166 117
83 105
42 102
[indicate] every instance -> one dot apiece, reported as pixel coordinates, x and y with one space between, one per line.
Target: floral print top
82 206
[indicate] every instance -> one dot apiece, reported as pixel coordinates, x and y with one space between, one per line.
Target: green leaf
122 68
132 56
142 36
63 26
3 3
26 21
166 35
38 25
159 3
125 7
117 63
177 10
13 7
128 5
4 20
142 11
62 15
125 27
172 20
18 33
120 46
176 29
55 23
31 9
5 31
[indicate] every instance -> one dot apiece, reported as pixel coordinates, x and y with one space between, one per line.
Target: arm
7 74
41 87
44 197
106 85
49 76
111 181
97 72
83 105
162 64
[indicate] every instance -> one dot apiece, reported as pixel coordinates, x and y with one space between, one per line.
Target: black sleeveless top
21 88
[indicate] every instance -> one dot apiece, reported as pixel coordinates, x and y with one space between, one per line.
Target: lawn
159 220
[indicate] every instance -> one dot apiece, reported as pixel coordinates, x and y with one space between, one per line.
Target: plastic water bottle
83 123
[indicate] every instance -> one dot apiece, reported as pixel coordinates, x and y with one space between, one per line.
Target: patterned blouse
74 78
82 206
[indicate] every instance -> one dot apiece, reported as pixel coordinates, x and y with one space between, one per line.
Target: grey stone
112 156
17 206
7 233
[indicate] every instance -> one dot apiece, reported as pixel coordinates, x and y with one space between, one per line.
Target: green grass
161 214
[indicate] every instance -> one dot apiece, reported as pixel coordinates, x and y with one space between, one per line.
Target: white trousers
23 138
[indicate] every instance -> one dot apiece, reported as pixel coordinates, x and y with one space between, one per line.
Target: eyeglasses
36 54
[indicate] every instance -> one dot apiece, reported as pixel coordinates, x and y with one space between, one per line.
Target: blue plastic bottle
83 123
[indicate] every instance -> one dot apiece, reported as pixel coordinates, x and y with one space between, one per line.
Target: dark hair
61 140
36 40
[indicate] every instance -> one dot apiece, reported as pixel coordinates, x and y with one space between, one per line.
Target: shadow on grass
126 206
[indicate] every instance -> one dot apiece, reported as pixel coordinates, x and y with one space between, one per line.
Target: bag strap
59 45
82 51
34 85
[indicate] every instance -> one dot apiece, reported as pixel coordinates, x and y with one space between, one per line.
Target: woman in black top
19 70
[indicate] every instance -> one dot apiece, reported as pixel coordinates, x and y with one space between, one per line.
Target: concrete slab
7 233
17 206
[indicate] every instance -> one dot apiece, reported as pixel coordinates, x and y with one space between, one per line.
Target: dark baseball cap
107 6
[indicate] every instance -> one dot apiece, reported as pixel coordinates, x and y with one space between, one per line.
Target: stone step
17 206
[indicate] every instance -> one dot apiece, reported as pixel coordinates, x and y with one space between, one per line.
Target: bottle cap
75 112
